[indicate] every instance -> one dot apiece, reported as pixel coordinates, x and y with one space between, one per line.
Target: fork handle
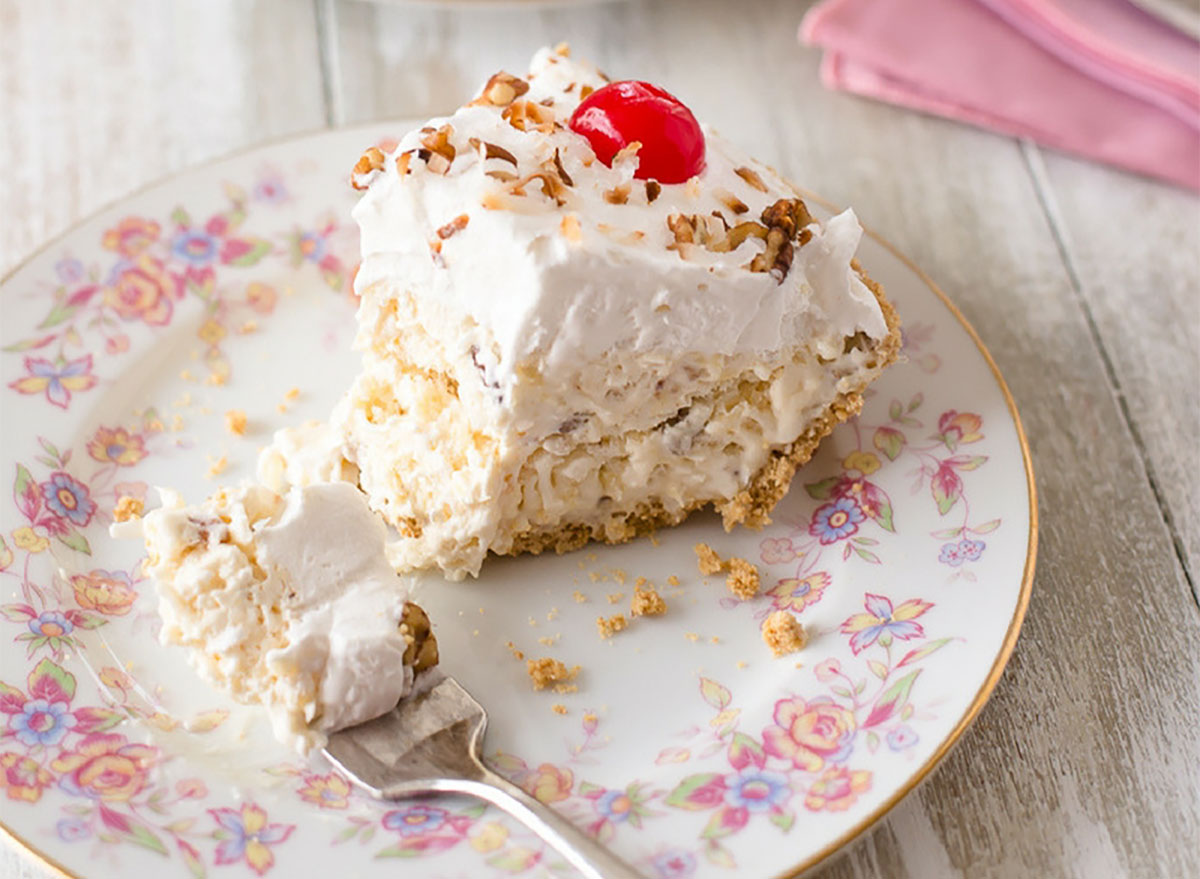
586 855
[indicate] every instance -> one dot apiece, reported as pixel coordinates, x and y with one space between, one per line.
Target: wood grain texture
1082 281
102 97
1133 249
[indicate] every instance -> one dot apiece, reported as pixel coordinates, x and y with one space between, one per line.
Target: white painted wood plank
1134 249
1080 766
99 98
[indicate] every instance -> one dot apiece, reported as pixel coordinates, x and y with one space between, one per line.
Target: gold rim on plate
1010 637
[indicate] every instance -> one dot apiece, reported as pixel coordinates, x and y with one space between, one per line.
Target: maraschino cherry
620 113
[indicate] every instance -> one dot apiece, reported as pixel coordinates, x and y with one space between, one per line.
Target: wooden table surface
1084 282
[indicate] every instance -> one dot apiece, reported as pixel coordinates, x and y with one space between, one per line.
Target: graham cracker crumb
619 575
609 627
558 708
647 603
707 559
692 636
715 640
217 467
672 580
563 689
640 581
235 422
615 597
580 598
783 633
248 327
292 394
546 671
552 615
741 663
743 578
216 378
548 640
517 654
128 508
590 718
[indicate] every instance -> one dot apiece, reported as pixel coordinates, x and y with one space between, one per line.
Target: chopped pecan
502 89
653 188
712 232
437 151
618 194
737 234
524 115
777 258
492 151
365 169
456 225
584 91
751 177
731 201
789 214
402 161
562 172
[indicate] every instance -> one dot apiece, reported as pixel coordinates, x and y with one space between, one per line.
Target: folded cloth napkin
1098 78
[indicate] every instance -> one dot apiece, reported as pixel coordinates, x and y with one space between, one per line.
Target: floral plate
905 548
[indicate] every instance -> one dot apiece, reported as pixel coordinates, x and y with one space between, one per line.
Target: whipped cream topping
584 258
285 600
342 601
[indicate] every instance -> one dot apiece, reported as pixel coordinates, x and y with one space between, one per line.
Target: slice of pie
584 316
288 601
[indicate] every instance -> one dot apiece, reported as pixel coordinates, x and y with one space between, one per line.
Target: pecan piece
437 151
751 177
492 151
731 201
618 194
368 164
524 115
789 214
456 225
502 89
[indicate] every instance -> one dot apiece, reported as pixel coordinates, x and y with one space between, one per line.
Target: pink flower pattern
815 753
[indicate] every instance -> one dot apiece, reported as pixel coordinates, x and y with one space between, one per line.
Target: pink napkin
1098 78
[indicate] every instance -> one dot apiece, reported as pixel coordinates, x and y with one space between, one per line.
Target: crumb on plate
743 578
609 627
547 671
128 508
647 603
783 633
708 560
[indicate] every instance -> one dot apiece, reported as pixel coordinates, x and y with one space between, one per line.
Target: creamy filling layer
604 444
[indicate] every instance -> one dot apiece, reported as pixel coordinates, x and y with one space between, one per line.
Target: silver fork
430 743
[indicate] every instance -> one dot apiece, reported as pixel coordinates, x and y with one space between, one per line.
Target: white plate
687 747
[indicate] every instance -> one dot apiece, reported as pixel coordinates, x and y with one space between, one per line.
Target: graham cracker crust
752 505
